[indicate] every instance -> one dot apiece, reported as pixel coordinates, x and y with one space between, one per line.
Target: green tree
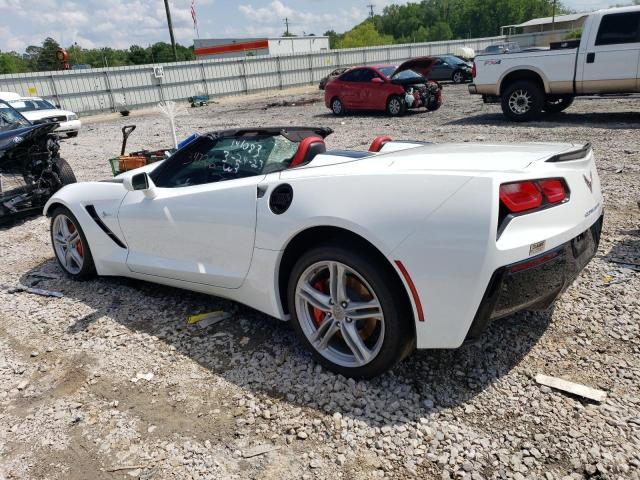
440 31
47 59
364 35
11 62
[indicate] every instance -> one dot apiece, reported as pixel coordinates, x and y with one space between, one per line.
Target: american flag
193 14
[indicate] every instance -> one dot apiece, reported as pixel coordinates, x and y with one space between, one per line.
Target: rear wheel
396 106
558 104
337 107
72 134
522 101
348 313
70 245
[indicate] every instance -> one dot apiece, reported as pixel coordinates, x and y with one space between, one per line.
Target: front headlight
73 116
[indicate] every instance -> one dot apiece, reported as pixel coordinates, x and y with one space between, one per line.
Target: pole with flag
194 17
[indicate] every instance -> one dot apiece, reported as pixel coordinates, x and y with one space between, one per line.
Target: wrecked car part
31 169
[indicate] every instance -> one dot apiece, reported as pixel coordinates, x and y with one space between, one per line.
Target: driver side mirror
377 80
142 182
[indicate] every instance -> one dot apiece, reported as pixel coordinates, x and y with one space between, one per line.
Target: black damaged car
31 169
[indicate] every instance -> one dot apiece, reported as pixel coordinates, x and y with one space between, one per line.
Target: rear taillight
553 189
530 195
474 71
521 196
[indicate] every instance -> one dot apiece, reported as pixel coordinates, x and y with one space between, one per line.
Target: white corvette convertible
369 254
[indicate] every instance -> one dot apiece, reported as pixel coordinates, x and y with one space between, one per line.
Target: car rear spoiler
581 152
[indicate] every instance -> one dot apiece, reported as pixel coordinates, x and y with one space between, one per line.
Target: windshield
451 60
404 75
210 160
10 118
29 105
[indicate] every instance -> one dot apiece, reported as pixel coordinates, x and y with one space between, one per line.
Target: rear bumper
473 90
535 283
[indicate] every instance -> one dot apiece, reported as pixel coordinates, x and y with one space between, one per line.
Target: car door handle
591 57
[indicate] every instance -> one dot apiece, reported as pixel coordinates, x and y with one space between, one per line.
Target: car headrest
307 150
379 142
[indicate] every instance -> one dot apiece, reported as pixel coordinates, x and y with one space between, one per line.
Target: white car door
200 225
611 61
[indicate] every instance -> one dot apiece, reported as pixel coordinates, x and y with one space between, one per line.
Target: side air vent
91 210
281 199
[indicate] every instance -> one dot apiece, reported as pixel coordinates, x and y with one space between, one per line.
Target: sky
122 23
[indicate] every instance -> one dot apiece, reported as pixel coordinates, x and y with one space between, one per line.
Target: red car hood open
421 65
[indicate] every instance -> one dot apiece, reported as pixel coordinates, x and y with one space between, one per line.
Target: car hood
421 65
40 114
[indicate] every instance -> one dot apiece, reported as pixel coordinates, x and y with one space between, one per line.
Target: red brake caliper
80 248
318 315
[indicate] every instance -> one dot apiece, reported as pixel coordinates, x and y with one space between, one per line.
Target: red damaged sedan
385 87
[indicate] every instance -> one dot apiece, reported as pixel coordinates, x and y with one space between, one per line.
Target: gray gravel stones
211 403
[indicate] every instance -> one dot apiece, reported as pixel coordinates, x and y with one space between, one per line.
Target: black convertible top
294 134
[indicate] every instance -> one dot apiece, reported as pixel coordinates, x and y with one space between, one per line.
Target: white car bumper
69 127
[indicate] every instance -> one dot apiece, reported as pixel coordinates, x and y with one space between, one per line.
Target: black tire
458 76
337 107
399 337
396 106
558 104
522 101
88 269
64 171
72 134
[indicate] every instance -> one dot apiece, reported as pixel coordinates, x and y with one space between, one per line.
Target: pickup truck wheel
522 101
558 104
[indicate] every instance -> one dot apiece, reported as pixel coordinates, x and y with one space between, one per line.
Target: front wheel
522 101
348 312
396 106
64 171
558 104
70 245
458 77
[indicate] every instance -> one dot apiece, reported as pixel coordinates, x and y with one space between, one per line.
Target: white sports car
369 254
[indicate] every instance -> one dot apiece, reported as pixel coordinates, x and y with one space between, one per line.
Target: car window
407 75
26 105
209 160
367 75
388 71
618 28
10 118
351 76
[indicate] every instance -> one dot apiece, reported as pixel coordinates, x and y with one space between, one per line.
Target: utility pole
370 6
173 40
286 23
553 16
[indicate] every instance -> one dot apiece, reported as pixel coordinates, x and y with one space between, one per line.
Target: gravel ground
110 382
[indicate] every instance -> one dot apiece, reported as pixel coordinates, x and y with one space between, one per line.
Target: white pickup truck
606 60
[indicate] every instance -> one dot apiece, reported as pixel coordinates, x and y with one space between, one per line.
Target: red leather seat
379 142
309 147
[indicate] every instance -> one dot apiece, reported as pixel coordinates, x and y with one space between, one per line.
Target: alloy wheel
520 102
339 313
395 106
67 244
457 77
336 106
